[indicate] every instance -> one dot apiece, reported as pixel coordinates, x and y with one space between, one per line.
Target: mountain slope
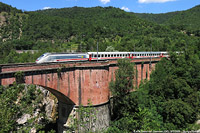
74 26
188 19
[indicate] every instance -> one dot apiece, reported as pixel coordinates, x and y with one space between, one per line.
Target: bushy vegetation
169 101
20 100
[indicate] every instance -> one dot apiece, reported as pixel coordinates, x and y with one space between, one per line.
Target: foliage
123 78
169 101
86 117
8 109
7 8
16 101
187 20
122 85
19 77
172 85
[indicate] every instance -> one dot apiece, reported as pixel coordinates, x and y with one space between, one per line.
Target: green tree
85 119
122 85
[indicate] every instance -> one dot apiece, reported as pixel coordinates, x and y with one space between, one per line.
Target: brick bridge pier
74 83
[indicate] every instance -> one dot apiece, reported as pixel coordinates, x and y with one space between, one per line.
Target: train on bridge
92 56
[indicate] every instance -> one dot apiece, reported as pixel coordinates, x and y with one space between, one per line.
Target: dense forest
187 20
169 101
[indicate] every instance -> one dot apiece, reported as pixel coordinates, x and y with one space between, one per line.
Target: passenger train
92 56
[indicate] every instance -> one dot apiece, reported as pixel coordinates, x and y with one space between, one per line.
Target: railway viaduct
73 83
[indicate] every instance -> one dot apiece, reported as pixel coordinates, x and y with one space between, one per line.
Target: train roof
63 53
124 52
106 52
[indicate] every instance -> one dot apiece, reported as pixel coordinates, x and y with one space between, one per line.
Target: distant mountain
188 19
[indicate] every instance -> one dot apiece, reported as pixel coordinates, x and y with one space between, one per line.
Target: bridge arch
60 96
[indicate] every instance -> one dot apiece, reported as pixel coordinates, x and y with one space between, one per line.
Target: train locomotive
92 56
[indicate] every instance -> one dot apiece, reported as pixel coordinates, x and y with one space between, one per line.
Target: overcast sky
137 6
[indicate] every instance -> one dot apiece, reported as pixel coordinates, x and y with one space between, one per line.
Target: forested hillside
187 20
9 9
79 29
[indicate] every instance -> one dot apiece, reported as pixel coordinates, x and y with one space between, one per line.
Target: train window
120 55
109 55
105 55
117 55
95 55
48 58
99 55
